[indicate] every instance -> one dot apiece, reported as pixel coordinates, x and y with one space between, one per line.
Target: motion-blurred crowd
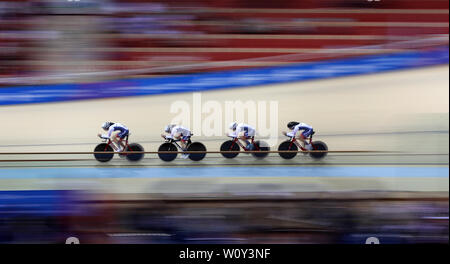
54 216
42 38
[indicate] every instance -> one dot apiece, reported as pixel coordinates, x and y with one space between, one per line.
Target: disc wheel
229 146
167 147
196 146
318 145
134 156
103 157
287 146
261 146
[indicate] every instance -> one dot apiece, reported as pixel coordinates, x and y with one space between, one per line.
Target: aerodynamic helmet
233 125
292 124
106 125
168 128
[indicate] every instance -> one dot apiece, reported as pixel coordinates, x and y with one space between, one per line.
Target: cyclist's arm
235 133
238 130
175 134
232 134
110 131
293 132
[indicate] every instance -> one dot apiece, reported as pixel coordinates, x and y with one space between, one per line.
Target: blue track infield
196 172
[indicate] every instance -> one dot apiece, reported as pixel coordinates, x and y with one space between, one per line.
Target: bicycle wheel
261 146
196 146
134 156
229 146
103 157
287 145
167 147
318 145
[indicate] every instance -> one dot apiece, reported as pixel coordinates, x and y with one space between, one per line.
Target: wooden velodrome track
402 114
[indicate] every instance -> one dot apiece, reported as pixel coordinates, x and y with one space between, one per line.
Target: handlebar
103 138
170 140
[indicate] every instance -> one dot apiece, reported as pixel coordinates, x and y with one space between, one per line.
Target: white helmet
233 125
168 128
106 125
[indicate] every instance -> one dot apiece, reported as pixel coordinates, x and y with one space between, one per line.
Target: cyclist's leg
305 135
114 140
185 141
302 139
243 137
250 135
184 144
301 143
121 136
178 136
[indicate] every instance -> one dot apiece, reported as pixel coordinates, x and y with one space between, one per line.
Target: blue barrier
37 203
224 171
224 79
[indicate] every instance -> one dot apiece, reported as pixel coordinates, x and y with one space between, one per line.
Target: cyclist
116 132
180 133
243 132
295 126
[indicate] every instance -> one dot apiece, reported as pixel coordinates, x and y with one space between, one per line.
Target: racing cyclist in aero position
116 132
243 132
177 132
303 136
